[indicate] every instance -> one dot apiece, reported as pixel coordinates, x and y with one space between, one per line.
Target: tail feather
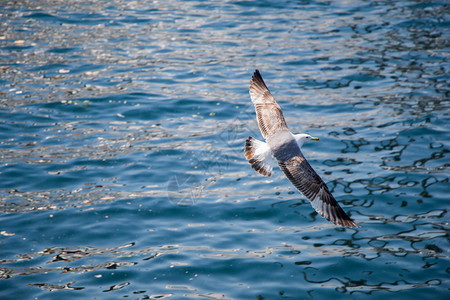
259 156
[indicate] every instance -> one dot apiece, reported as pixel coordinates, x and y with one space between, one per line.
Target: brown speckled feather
306 180
268 112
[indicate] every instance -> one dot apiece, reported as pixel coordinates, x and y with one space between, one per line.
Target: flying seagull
285 148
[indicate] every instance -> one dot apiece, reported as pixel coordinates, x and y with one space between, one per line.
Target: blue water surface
122 127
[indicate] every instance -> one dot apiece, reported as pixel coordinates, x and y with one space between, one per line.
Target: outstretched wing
306 180
268 112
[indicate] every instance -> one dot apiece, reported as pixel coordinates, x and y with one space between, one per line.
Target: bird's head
303 138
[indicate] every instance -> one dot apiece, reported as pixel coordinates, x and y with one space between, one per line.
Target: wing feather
268 112
305 179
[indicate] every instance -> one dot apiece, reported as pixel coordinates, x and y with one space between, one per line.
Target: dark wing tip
338 216
333 212
347 222
350 223
257 80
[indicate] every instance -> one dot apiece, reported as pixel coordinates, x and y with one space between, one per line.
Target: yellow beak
314 139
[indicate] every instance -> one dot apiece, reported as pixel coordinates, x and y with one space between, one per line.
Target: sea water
122 128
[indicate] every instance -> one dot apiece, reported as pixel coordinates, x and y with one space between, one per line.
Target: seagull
283 147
